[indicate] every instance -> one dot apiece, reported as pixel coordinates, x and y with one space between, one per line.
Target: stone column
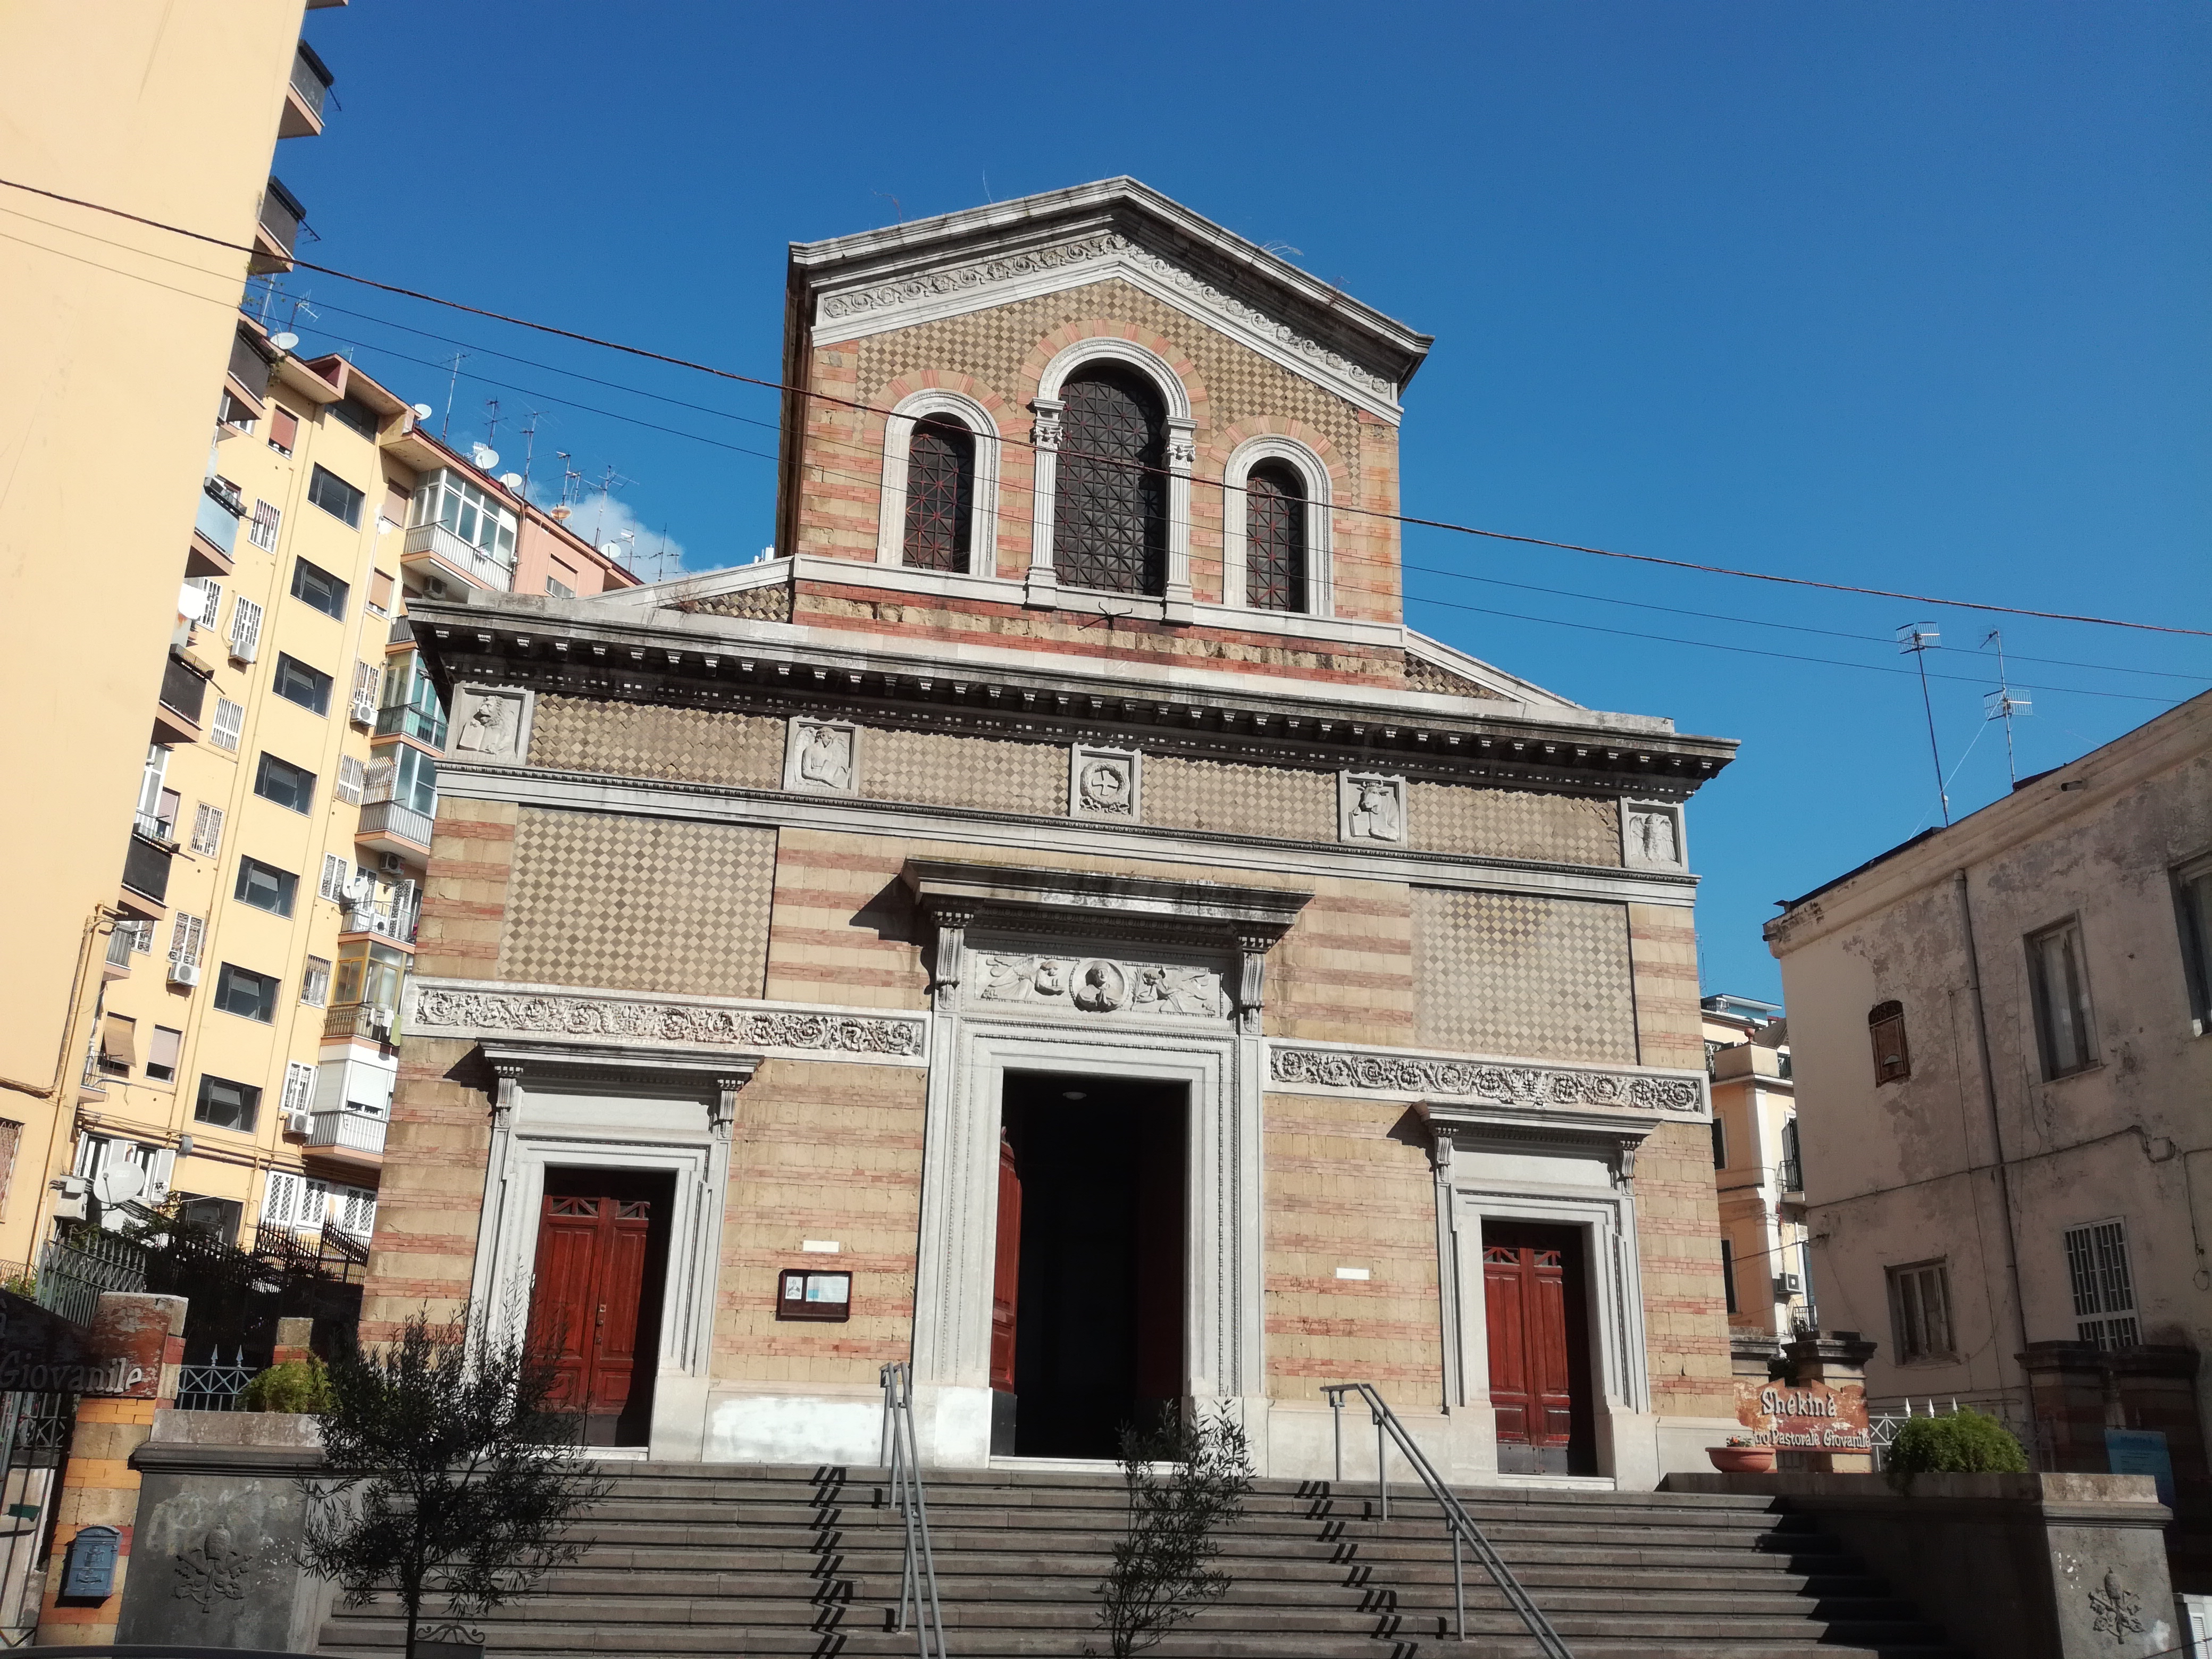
1833 1364
138 1346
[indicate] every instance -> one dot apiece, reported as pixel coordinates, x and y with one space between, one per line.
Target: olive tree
1187 1481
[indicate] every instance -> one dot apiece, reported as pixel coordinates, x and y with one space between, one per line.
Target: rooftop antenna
608 480
2002 705
571 482
529 448
1920 639
492 436
446 425
897 206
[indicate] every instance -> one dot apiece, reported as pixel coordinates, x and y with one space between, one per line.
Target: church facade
1055 924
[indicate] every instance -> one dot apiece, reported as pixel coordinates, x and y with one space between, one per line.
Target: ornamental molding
973 281
1097 985
449 1010
1453 1081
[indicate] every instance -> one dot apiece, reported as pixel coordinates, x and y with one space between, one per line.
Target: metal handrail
1457 1522
918 1578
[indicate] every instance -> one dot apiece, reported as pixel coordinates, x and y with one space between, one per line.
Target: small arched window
1109 511
940 495
1275 537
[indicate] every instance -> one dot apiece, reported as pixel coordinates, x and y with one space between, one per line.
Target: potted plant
1742 1456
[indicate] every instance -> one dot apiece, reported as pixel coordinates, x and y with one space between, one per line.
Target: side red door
585 1304
1005 1282
1531 1373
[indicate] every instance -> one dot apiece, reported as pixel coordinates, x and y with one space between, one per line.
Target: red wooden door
585 1305
1006 1283
1531 1378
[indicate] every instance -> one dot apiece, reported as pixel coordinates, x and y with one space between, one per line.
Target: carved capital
1046 431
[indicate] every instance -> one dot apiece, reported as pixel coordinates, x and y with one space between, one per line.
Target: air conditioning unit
390 861
298 1123
73 1197
1786 1285
184 973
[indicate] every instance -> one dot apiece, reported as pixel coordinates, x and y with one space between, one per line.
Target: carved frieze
441 1011
1372 808
1098 985
819 757
1488 1083
1104 783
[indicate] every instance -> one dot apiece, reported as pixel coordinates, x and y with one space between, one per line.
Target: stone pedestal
1810 1403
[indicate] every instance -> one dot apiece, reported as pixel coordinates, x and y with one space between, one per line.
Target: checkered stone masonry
1507 974
1514 823
652 740
638 904
1244 801
934 768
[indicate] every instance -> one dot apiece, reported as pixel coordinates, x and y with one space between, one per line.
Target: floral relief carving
1103 783
1505 1085
437 1009
1098 985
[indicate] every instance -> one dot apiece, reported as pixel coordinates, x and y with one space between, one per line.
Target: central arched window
940 495
1109 515
1275 537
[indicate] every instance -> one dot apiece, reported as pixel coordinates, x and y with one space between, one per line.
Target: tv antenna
491 436
446 425
1920 639
2002 705
571 482
529 446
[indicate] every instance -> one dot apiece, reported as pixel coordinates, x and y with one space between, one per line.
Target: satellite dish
284 342
119 1183
484 456
612 549
424 411
512 480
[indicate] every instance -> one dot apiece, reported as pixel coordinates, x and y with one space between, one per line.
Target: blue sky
1905 295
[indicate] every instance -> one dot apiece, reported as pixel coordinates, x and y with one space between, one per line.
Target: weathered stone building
1056 924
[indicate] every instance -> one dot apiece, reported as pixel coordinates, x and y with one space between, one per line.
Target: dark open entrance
1088 1307
595 1303
1535 1301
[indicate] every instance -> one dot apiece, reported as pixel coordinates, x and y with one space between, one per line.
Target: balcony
357 1022
401 720
345 1136
120 943
146 870
387 826
214 531
184 695
247 376
305 96
392 919
438 548
276 230
1791 1177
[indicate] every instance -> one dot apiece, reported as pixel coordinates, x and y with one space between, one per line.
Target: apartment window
365 678
299 1086
356 1210
446 498
559 589
1885 1026
140 935
1720 1144
336 873
2192 895
295 682
119 1045
380 585
186 935
1920 1310
283 429
265 887
227 1105
393 513
207 828
315 982
320 589
161 1054
229 724
249 995
335 497
370 973
244 629
1728 1274
2059 982
262 532
2104 1286
218 1216
293 1201
284 783
351 772
357 416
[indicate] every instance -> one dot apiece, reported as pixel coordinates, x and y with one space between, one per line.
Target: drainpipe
1996 1122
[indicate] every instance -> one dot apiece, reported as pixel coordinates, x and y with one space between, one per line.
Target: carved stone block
1370 807
1104 783
821 757
1651 835
491 723
1097 985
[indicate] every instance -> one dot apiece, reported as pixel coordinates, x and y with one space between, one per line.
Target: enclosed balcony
246 377
184 697
440 549
304 98
215 530
427 725
390 916
146 869
345 1136
277 230
391 826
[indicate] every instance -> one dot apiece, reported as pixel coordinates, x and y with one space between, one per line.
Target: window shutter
299 1086
365 678
184 936
336 873
379 592
244 629
207 829
394 511
229 724
211 602
263 532
350 772
358 1216
280 1198
377 781
283 429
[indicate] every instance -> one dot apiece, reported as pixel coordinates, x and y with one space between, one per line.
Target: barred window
940 495
2103 1284
1109 515
1275 537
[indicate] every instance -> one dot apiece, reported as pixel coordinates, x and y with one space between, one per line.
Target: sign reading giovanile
1809 1416
41 1353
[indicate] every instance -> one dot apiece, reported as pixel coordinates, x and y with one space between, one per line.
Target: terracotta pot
1742 1460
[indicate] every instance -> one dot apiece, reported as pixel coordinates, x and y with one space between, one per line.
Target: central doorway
1087 1303
595 1300
1535 1302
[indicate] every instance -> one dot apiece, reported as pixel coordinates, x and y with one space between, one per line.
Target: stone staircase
696 1558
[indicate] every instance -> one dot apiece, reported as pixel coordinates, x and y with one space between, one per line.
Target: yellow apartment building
110 384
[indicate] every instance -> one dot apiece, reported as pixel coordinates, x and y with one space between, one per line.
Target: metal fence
2035 1437
74 1271
212 1386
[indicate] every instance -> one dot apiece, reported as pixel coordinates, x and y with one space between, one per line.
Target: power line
848 403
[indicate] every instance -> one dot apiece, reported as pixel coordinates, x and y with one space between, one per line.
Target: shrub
1965 1443
297 1385
1187 1482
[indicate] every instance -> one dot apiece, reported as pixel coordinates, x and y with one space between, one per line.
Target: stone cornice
704 1034
1019 895
581 649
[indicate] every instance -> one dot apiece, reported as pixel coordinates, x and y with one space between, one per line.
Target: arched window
1109 515
940 495
1275 537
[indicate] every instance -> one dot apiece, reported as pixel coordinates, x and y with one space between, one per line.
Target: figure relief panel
1095 985
1371 808
1105 783
491 723
822 758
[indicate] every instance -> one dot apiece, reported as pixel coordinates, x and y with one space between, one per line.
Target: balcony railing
403 719
217 516
388 918
346 1130
248 366
120 944
183 691
364 1020
146 862
435 541
1792 1176
311 79
390 818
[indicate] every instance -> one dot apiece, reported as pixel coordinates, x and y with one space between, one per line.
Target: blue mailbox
90 1570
